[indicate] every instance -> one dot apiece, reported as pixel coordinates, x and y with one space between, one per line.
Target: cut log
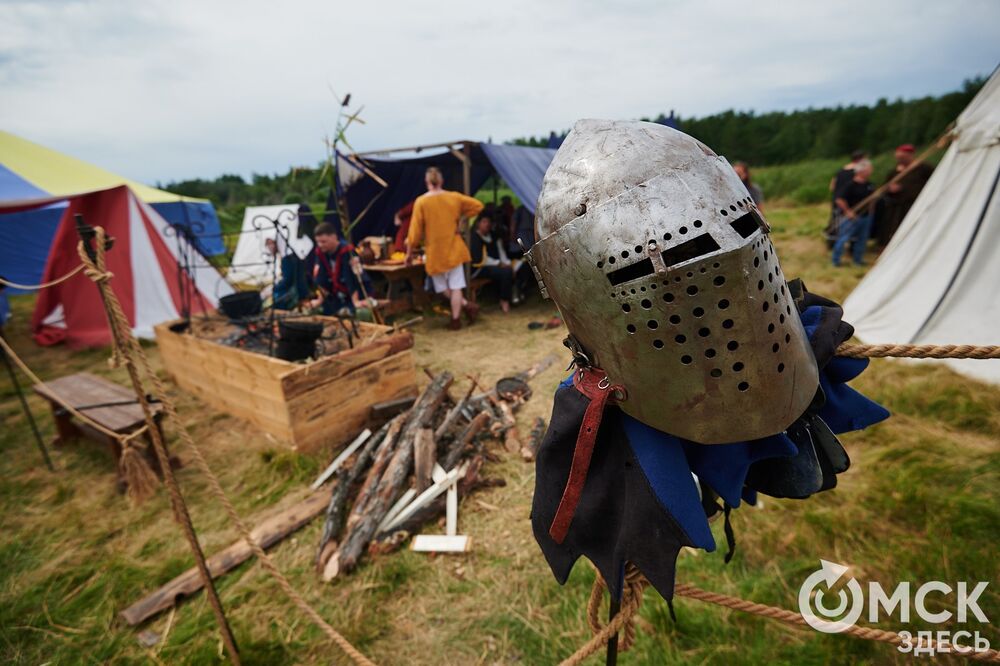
384 411
382 458
424 457
535 439
269 532
391 485
464 441
342 488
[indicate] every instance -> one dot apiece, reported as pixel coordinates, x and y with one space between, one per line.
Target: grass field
919 503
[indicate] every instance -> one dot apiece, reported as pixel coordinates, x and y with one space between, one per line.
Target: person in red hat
900 195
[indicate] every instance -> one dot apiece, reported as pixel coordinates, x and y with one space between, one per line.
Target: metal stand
27 409
280 231
612 656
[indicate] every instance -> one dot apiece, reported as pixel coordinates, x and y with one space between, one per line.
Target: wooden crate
316 406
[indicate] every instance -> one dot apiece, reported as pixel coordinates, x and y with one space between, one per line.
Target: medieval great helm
663 271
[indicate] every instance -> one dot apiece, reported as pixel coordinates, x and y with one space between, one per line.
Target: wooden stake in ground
123 339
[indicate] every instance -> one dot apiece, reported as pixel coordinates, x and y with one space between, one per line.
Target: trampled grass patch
919 503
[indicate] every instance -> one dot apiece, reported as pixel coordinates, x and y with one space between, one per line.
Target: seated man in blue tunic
292 285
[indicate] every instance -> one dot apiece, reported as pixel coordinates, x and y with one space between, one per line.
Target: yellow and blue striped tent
31 171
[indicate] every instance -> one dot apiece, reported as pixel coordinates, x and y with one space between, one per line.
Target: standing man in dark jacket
900 195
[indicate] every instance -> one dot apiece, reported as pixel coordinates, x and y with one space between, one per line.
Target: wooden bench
111 405
475 285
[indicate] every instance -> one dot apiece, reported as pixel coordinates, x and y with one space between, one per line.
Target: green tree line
781 137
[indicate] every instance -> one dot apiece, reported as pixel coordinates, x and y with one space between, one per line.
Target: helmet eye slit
746 224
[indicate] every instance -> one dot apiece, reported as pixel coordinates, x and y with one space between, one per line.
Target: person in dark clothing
402 220
490 260
839 180
522 227
292 286
753 189
900 195
338 274
853 226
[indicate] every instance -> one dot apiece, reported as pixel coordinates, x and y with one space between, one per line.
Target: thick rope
623 621
919 351
791 617
635 582
44 285
134 351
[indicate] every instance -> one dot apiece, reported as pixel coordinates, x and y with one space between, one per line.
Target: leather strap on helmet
593 383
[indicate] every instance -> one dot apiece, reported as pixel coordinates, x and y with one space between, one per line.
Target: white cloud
162 90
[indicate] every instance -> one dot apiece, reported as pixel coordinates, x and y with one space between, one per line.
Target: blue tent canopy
521 167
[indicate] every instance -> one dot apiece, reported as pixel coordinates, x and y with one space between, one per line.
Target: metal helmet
662 269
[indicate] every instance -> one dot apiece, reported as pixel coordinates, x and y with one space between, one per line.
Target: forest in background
798 150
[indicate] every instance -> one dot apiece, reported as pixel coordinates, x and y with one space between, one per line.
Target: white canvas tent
938 280
251 262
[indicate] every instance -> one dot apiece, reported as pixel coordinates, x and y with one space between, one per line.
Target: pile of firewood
370 509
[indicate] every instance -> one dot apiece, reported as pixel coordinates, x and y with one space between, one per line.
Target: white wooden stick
339 460
428 496
440 543
396 508
451 515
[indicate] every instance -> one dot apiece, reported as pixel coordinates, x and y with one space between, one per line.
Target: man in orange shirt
436 224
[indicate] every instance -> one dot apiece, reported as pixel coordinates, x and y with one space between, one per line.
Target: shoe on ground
471 312
455 324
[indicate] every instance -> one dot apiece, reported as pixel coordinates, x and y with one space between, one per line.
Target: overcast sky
159 90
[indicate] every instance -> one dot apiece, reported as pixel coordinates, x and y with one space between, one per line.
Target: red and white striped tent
143 260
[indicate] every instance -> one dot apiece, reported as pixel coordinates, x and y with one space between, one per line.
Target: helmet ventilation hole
732 345
743 386
723 304
781 367
680 339
719 281
738 366
653 324
668 297
727 324
675 319
697 224
630 328
658 343
692 290
626 307
709 353
716 372
698 312
686 360
704 332
646 303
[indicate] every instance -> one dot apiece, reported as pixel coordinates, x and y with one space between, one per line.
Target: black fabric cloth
843 177
618 519
501 277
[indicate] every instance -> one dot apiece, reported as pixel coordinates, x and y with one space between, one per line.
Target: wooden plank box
316 407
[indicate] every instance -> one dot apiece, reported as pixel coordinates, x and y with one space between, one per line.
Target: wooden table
110 404
413 274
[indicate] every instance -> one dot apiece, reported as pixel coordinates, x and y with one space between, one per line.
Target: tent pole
467 231
27 409
181 512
